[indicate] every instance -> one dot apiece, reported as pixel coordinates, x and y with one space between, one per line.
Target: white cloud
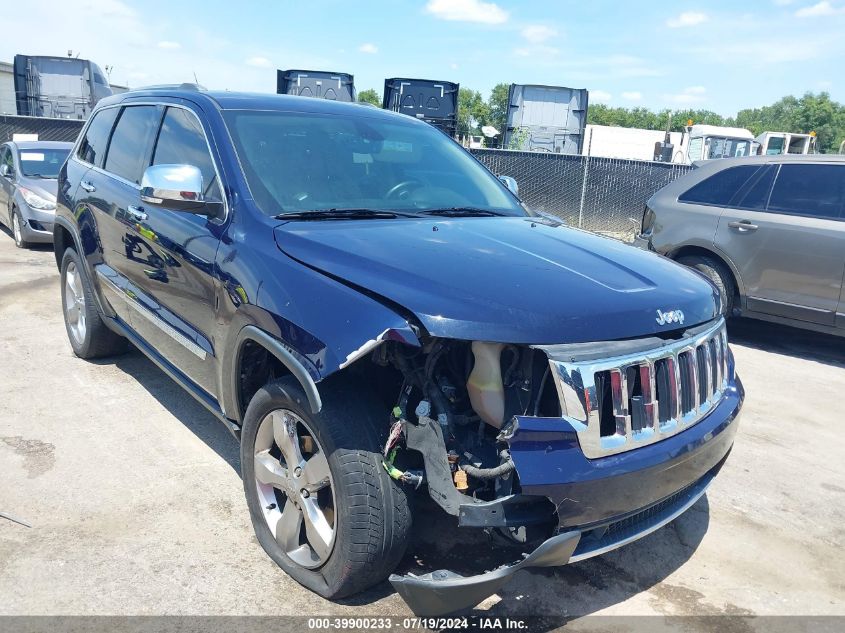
687 18
259 62
368 48
467 11
536 52
453 66
632 96
693 94
169 45
823 8
600 96
537 33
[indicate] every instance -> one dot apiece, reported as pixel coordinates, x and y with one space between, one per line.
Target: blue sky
719 55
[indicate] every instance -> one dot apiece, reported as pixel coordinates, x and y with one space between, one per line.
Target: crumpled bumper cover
602 504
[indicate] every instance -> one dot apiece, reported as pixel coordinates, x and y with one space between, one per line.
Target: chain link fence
46 129
604 195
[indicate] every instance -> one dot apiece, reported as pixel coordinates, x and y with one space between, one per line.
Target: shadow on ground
554 594
180 404
787 340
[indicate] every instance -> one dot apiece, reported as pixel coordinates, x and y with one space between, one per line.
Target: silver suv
769 231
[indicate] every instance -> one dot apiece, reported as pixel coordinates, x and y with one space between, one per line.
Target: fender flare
284 356
77 244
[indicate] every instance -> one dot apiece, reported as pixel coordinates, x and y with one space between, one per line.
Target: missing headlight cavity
470 391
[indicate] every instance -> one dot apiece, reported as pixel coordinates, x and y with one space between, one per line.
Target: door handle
137 213
88 186
743 225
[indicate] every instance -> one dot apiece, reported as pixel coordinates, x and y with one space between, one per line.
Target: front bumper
602 504
37 224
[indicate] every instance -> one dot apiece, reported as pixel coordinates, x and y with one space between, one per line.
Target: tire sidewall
327 579
16 219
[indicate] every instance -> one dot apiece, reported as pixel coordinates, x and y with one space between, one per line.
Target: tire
89 337
369 512
719 274
17 233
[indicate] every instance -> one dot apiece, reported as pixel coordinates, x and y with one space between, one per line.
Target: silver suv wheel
74 303
16 228
295 488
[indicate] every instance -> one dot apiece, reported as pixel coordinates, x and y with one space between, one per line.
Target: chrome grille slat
695 376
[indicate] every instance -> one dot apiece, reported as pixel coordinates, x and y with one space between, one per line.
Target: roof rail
183 86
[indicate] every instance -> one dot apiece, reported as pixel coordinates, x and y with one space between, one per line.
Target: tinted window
757 194
93 146
130 141
182 142
816 190
721 187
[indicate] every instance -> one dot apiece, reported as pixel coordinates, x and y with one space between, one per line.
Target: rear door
786 237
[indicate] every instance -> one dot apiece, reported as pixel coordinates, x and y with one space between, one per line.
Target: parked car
769 231
28 172
375 315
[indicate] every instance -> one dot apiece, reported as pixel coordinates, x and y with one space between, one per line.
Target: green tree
497 107
473 112
370 96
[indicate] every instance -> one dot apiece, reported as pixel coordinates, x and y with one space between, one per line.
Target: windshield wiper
458 212
342 214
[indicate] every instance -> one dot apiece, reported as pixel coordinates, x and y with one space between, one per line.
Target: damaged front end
564 452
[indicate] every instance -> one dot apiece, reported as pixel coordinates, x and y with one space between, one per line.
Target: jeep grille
617 404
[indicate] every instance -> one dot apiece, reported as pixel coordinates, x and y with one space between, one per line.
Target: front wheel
17 230
322 505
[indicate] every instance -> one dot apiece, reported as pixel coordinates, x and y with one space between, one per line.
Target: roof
41 144
720 163
718 130
225 100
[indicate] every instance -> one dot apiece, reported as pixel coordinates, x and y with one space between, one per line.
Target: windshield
723 147
298 161
42 162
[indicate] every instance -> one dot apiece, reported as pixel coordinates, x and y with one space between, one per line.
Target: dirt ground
136 505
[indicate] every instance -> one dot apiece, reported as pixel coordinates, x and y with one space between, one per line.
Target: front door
787 240
169 257
7 185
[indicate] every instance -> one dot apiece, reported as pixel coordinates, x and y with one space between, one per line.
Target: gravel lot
136 505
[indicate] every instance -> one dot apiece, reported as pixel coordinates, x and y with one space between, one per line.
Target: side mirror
5 171
177 187
510 183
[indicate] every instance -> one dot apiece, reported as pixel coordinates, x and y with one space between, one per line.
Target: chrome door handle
137 213
743 225
88 186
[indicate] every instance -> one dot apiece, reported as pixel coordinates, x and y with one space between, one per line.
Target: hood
44 187
510 280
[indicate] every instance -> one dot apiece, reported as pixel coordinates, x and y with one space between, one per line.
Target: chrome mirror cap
510 183
5 171
177 186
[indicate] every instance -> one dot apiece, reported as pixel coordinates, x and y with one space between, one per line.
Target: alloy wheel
295 488
74 303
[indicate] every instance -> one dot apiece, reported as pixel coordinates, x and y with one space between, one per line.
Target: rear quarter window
720 188
809 189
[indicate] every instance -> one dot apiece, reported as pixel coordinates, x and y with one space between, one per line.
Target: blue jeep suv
375 316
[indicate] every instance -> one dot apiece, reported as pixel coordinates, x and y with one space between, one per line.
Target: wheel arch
687 250
283 358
